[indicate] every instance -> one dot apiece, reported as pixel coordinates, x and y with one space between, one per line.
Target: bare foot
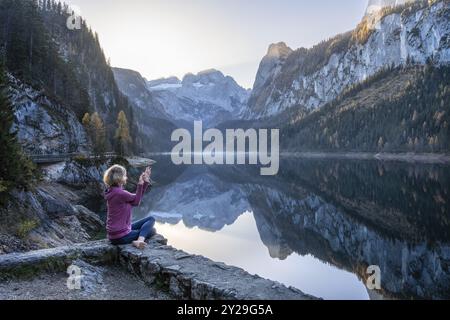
139 244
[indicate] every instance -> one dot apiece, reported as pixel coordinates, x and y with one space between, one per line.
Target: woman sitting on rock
120 202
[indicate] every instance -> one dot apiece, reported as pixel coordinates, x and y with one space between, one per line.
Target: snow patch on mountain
165 86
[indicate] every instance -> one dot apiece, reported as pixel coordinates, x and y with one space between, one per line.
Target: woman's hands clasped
145 176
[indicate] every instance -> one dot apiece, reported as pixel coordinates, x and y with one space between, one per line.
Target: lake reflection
316 226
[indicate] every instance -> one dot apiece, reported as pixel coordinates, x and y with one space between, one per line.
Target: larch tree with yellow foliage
87 125
122 134
98 133
86 121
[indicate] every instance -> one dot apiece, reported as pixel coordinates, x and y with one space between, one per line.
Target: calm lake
318 225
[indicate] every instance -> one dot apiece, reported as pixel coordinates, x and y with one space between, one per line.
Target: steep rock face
43 126
134 86
311 78
76 174
153 124
268 70
271 64
209 96
45 217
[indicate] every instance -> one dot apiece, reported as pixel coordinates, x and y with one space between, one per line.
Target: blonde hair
115 176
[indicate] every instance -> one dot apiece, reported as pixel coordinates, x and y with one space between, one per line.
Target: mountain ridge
309 78
209 96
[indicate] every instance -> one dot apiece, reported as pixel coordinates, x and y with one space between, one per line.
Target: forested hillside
68 66
403 109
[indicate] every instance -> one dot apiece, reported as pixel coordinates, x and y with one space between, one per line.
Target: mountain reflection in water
316 226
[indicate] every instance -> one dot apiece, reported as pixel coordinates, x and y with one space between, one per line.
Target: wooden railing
55 158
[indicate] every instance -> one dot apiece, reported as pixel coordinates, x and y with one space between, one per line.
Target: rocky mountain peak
309 81
271 64
210 76
278 50
210 72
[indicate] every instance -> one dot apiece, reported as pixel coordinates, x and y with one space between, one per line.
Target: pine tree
122 133
16 170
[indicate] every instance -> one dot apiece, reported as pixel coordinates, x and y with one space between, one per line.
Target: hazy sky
160 38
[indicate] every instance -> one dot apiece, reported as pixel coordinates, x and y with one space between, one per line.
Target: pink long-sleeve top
120 203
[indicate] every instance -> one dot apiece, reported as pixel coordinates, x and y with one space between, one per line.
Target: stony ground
105 283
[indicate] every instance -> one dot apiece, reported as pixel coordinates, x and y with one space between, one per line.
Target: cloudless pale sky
161 38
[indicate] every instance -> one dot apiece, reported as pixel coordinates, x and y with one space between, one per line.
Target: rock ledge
185 276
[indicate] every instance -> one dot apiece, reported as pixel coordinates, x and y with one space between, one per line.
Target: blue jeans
142 228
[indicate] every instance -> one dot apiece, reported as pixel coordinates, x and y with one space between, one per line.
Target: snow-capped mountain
209 96
309 78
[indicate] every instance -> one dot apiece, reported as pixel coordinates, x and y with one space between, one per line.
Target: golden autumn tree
122 133
86 120
98 134
87 125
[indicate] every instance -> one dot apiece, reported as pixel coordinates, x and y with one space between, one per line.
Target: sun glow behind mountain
376 5
160 38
